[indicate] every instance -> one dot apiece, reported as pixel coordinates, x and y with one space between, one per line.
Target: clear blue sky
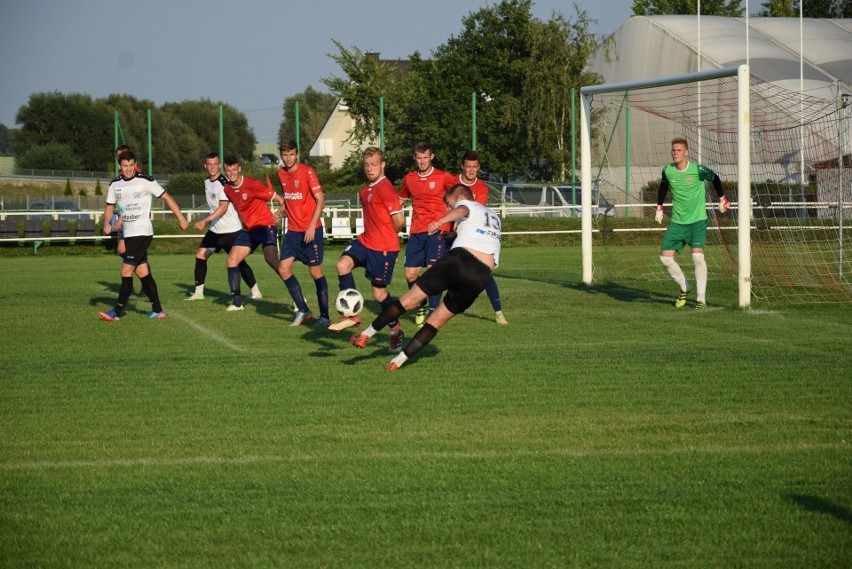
251 54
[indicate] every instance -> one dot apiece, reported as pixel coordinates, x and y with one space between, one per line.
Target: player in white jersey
463 272
225 225
131 194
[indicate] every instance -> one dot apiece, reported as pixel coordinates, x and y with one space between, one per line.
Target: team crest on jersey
296 183
431 185
689 179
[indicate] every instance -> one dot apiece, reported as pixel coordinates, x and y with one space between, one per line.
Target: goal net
788 152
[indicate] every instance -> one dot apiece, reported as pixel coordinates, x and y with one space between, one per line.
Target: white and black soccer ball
349 302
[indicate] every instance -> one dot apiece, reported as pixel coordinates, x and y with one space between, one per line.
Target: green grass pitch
601 428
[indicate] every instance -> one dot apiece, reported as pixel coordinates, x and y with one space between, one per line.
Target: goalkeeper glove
724 204
658 217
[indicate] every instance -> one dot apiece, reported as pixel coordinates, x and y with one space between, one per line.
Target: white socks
675 271
700 276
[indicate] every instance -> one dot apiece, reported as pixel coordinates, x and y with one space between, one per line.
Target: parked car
543 196
50 206
269 160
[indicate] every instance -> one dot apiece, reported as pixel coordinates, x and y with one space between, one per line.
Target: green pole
473 120
382 123
298 142
150 147
573 138
627 159
221 133
115 127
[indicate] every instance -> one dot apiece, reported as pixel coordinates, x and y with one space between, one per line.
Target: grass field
602 428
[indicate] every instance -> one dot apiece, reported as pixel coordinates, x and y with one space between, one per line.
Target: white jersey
479 230
214 191
132 200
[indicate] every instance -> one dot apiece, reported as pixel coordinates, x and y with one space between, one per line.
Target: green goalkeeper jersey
688 193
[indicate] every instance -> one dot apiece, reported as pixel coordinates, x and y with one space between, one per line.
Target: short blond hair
680 140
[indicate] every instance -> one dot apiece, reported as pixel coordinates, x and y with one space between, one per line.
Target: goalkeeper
689 218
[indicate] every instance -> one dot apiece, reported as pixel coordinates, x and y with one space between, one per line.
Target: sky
250 54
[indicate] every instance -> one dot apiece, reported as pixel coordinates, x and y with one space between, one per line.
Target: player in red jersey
251 200
303 202
470 178
377 248
425 188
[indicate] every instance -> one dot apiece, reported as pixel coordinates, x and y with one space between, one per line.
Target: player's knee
667 261
698 259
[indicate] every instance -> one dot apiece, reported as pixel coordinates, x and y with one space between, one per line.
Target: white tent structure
660 46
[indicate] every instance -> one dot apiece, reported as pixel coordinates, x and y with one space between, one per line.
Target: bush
68 190
98 190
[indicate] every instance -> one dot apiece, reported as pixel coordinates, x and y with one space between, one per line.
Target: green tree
728 8
49 156
73 120
314 110
202 117
365 80
5 140
557 64
810 9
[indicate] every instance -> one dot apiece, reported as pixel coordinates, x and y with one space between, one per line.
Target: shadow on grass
820 506
617 292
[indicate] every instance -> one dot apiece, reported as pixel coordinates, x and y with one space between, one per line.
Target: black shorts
219 241
460 274
136 250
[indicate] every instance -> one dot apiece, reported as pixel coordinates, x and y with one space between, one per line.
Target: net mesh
800 192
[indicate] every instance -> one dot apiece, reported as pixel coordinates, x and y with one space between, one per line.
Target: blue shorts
424 250
293 245
264 236
378 265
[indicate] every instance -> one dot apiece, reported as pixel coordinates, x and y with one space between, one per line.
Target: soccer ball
349 302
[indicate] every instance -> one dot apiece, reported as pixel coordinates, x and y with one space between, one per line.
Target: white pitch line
484 454
207 332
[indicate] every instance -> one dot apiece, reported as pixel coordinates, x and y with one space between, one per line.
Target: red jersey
478 188
299 189
427 197
250 200
379 202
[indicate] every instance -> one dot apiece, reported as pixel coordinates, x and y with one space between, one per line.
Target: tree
557 64
5 140
314 110
202 117
810 9
49 156
728 8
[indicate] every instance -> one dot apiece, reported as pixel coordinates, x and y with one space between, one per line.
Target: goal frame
743 167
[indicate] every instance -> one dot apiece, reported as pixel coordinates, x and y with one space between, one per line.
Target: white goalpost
783 239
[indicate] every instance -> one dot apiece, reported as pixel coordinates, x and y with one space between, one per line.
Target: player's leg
125 289
313 256
496 304
697 242
673 242
200 272
353 256
238 254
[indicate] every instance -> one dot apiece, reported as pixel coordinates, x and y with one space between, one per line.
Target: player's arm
661 197
108 211
708 174
216 214
398 220
320 197
451 216
175 209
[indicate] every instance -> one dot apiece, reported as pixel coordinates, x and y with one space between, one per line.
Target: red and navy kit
250 200
426 192
380 201
299 188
